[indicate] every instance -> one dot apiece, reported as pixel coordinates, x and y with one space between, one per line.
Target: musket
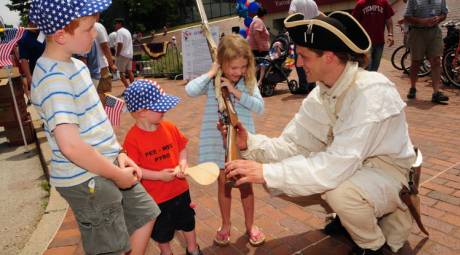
230 118
227 111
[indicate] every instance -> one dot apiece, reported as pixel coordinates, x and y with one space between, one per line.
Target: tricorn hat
338 32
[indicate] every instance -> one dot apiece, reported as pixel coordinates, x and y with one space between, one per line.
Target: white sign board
196 59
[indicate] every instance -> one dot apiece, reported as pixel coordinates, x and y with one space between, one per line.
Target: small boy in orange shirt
158 147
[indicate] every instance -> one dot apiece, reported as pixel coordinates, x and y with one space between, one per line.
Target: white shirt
101 37
308 8
370 125
113 39
124 37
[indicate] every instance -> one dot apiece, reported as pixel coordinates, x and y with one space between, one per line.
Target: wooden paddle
203 174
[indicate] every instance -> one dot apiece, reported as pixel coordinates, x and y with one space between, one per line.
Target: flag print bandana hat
52 15
147 94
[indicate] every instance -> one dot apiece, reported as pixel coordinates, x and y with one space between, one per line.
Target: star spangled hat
52 15
147 94
338 32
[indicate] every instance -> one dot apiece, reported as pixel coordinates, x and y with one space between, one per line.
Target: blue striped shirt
211 144
63 93
425 8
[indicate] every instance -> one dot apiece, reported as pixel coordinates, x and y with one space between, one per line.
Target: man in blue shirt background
30 49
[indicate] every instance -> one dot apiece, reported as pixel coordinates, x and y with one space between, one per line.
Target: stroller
275 68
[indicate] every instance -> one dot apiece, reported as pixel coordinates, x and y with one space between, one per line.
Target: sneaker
411 94
359 251
197 252
439 98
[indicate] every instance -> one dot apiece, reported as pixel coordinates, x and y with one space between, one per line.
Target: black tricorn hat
338 32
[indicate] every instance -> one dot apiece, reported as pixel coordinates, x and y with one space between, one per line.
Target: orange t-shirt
155 151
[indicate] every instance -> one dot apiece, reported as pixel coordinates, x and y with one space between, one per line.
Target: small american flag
7 43
113 106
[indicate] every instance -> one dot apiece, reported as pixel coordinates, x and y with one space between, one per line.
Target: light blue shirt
425 8
63 93
211 144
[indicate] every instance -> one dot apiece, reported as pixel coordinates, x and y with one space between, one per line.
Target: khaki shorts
124 64
425 42
105 83
108 216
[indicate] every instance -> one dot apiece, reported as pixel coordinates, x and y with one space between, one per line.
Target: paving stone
437 224
443 197
437 187
452 219
289 227
448 207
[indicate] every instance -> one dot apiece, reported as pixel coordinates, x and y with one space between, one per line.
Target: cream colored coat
321 148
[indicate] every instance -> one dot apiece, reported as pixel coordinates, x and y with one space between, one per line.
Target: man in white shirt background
105 61
310 10
113 42
124 52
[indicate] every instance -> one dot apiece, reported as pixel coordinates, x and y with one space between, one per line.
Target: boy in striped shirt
88 167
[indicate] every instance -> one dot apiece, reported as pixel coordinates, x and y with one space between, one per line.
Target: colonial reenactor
349 141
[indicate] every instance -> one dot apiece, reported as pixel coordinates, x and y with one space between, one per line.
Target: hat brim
94 6
339 32
166 103
39 15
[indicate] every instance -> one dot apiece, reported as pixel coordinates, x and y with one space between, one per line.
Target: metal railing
169 65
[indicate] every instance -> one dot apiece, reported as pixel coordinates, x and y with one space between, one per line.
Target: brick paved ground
293 228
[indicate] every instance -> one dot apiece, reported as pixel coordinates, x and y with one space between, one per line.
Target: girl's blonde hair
234 46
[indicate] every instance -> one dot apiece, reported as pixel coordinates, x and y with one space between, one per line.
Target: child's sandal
256 236
222 237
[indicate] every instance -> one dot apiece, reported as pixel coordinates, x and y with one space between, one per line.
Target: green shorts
425 42
108 216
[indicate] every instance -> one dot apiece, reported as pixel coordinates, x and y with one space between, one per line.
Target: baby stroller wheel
267 90
293 86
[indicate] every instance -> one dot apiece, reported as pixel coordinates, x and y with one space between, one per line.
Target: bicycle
403 62
450 59
424 69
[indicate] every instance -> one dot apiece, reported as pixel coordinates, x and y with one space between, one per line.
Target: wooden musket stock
230 119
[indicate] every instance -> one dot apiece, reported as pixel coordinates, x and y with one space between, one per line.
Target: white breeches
371 212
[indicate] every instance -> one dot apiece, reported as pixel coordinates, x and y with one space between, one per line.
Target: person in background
113 43
105 61
309 10
258 36
425 40
113 51
30 49
259 40
124 61
374 16
92 62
